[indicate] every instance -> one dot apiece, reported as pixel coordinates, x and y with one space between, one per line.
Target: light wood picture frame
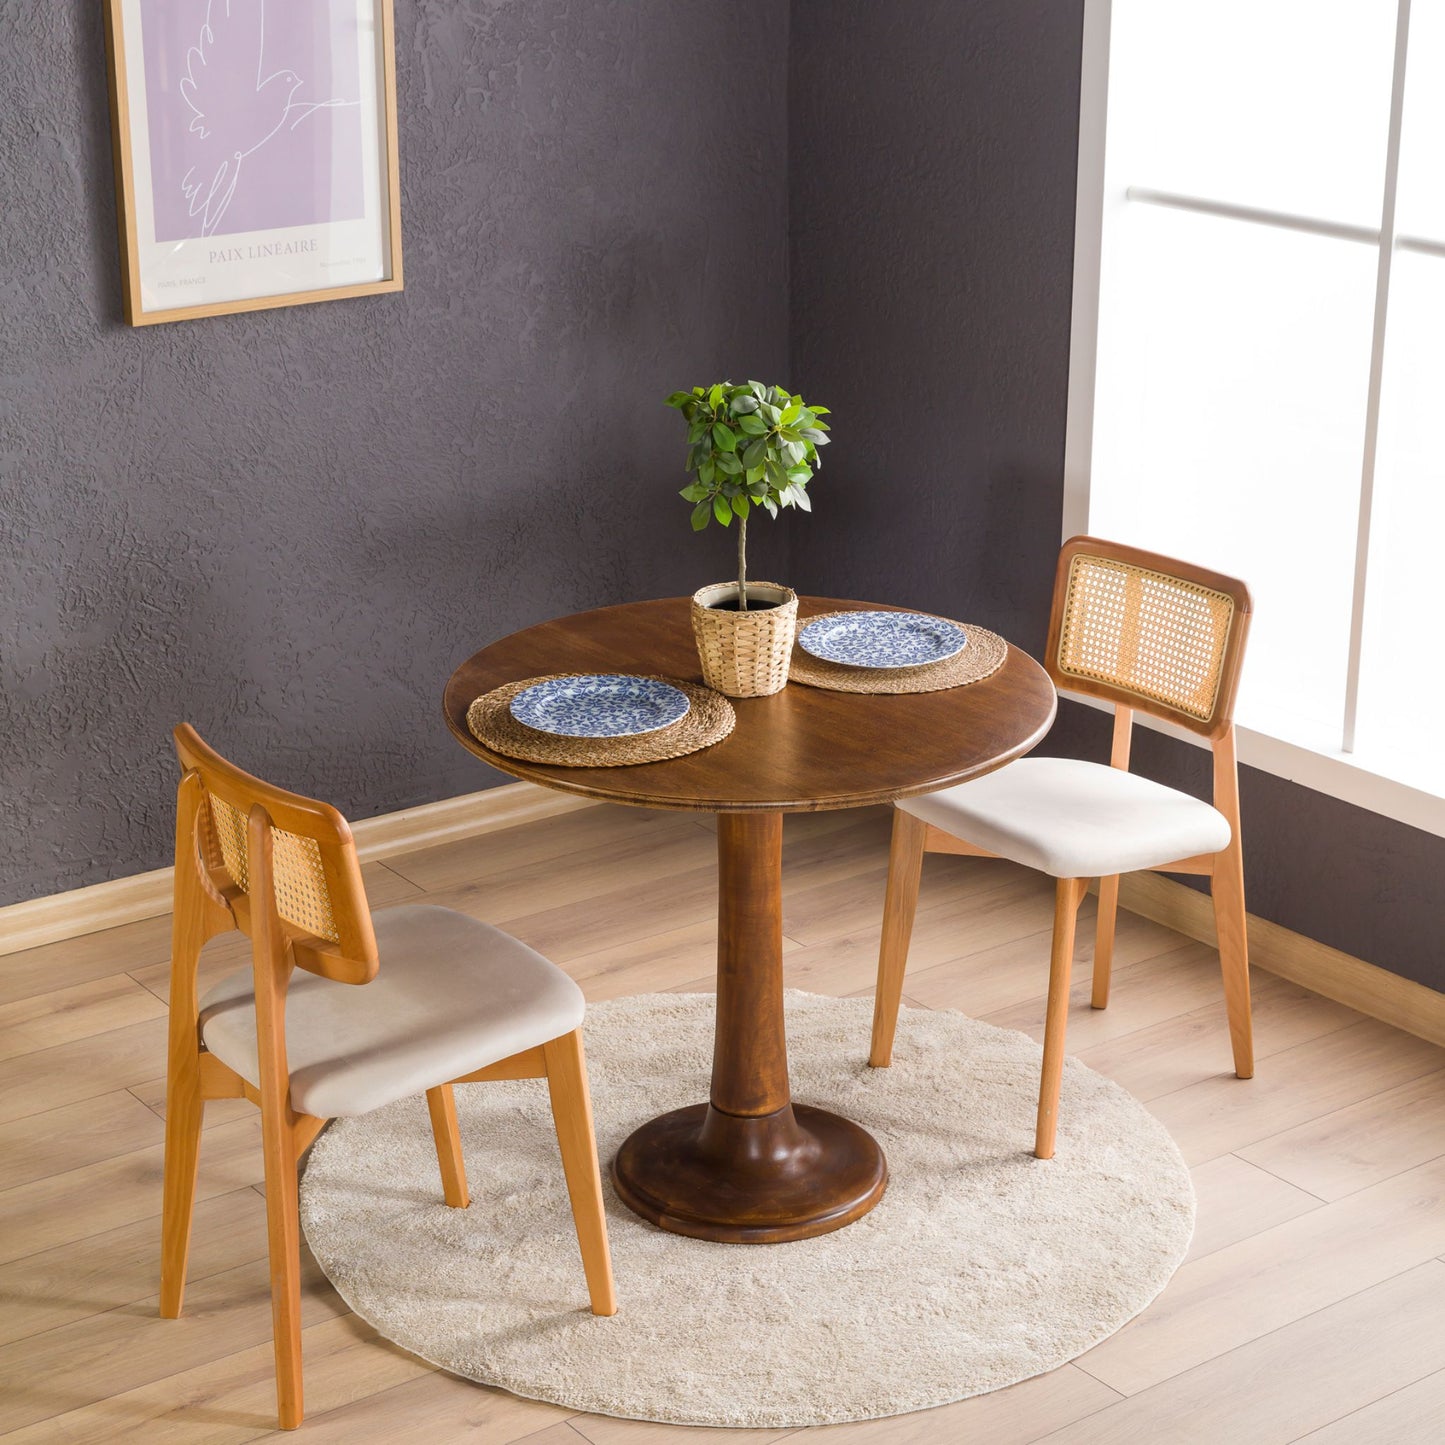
255 153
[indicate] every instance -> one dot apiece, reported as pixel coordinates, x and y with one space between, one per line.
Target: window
1258 376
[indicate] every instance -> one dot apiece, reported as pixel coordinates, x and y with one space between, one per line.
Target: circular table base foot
750 1180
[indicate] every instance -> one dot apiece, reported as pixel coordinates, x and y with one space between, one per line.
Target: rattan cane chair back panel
302 896
316 876
1147 632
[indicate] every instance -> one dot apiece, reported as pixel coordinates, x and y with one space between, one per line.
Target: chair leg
900 903
283 1234
1230 927
1068 895
442 1105
185 1109
577 1140
1104 940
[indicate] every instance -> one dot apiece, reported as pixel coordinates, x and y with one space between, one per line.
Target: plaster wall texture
289 527
933 152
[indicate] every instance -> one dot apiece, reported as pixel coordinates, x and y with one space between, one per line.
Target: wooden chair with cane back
412 1000
1147 634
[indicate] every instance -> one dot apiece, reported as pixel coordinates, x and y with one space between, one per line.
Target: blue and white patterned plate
600 705
882 639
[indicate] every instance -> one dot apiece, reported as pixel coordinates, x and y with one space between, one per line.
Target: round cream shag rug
981 1266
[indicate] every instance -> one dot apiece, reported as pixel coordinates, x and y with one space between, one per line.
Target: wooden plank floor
1312 1307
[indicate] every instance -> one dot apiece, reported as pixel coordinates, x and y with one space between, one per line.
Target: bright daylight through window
1262 202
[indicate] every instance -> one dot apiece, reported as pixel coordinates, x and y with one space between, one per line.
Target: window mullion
1257 215
1088 267
1377 366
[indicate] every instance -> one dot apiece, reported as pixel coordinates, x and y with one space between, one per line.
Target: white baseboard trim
148 895
1348 980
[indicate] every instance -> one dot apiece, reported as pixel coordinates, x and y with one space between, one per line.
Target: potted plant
748 447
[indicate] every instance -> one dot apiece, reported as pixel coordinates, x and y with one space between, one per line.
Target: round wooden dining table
749 1166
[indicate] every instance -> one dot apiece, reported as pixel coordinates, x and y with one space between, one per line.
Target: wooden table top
804 749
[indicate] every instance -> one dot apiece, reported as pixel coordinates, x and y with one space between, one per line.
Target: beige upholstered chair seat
1073 819
452 995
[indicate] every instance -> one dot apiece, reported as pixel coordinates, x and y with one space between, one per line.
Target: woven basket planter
745 654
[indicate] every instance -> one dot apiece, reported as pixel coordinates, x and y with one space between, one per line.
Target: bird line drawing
236 106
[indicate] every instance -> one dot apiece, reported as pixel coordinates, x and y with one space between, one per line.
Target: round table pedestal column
750 1167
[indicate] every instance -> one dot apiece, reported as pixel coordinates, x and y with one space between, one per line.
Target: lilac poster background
254 114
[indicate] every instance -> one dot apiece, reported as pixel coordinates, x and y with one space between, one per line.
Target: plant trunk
742 564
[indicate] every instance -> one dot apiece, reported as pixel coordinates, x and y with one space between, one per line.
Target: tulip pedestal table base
750 1167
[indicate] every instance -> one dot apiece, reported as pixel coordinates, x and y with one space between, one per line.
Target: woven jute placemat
981 658
709 719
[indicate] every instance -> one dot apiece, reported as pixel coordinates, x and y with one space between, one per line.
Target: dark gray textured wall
932 147
933 160
288 527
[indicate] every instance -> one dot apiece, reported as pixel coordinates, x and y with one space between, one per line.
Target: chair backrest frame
1215 607
316 840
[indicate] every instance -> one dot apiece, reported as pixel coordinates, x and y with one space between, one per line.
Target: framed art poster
256 153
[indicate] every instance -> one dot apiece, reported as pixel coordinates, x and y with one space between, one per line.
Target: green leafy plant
748 447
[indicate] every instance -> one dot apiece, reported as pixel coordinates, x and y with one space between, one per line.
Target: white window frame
1336 773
